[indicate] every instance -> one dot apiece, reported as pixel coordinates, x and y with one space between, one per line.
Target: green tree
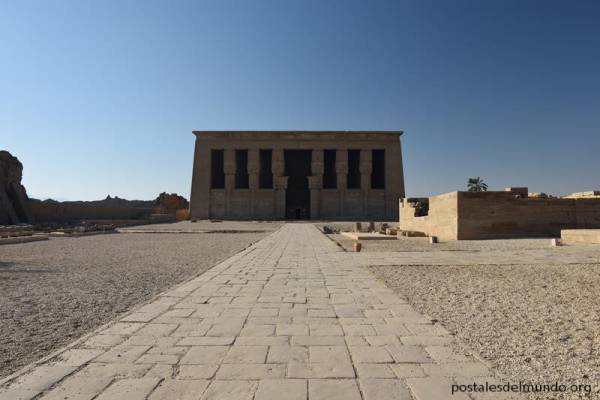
477 185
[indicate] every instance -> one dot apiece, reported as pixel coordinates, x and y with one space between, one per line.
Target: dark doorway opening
297 195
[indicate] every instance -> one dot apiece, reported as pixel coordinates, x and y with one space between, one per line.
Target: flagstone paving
287 318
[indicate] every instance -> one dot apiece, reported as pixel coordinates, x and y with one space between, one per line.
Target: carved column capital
280 182
365 166
315 182
253 161
229 161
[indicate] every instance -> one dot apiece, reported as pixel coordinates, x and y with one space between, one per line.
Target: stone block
328 354
206 355
120 371
262 341
129 389
275 389
258 330
326 330
321 370
408 354
78 388
197 371
318 341
230 390
374 371
77 357
251 371
122 354
160 371
333 389
246 355
206 341
287 354
170 389
292 329
18 394
384 389
408 370
370 354
588 236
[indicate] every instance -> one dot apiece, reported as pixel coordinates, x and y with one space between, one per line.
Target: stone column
229 169
201 189
394 180
341 169
279 183
315 183
365 179
253 171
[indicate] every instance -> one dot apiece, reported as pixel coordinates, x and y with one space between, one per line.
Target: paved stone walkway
287 318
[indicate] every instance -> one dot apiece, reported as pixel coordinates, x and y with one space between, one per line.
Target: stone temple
332 175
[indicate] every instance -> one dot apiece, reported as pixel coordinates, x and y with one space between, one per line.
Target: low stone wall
495 215
66 211
590 236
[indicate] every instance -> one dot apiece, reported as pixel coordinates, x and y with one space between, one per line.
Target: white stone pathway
287 318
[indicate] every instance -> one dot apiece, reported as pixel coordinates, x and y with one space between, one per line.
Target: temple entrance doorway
297 195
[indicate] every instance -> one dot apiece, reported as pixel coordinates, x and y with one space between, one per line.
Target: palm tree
477 185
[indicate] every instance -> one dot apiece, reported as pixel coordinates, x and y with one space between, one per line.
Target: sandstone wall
487 215
495 215
589 236
441 220
587 212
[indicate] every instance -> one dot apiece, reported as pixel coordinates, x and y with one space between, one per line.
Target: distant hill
107 202
166 201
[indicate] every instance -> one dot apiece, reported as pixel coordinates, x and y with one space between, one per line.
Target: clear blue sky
100 97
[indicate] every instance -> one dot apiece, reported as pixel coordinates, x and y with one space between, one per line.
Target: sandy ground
535 318
55 291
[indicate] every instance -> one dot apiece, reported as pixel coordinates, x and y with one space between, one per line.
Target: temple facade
327 175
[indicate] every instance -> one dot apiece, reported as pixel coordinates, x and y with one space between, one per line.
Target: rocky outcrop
171 202
14 204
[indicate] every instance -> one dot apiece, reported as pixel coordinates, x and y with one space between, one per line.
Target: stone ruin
14 203
511 213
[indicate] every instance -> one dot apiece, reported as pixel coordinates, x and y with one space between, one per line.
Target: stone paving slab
287 318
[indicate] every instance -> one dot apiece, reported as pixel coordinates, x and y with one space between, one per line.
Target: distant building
333 175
